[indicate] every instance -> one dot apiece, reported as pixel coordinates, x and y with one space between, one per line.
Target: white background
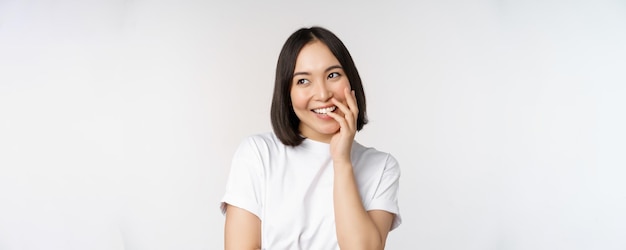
118 119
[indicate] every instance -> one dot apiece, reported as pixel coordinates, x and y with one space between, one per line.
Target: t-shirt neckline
315 145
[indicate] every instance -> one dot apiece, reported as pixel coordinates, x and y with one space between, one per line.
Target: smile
325 110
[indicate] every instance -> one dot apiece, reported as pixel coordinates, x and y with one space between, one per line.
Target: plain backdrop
118 119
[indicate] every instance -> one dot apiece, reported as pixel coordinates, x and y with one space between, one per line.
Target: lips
325 110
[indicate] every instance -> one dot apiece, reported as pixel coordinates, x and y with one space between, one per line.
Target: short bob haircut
284 120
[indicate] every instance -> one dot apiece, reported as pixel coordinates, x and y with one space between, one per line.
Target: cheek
298 100
338 90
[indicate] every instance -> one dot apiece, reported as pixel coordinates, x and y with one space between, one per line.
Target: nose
323 93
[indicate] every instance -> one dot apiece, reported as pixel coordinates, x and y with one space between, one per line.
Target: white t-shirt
290 189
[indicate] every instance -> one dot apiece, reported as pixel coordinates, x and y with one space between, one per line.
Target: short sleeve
386 194
243 187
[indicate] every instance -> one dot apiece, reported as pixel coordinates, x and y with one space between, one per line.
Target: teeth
325 110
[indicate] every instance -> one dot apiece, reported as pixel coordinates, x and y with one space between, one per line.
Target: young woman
309 185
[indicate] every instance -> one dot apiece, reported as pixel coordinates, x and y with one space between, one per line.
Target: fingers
351 111
348 115
351 100
341 120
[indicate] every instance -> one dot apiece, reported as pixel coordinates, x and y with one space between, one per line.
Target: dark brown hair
284 119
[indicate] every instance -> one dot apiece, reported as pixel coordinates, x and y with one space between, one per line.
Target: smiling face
318 77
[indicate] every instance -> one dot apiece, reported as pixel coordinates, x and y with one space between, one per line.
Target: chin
329 131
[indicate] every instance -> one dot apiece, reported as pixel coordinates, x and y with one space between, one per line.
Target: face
318 78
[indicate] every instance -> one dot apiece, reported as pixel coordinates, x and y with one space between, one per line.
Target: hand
341 142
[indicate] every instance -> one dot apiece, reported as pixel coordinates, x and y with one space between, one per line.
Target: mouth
324 111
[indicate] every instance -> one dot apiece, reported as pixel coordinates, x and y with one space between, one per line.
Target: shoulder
263 143
372 153
373 157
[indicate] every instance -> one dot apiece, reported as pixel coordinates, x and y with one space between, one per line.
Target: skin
319 82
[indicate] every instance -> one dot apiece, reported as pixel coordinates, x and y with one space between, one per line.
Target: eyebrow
327 69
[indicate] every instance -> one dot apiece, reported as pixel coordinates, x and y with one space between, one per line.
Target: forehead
315 56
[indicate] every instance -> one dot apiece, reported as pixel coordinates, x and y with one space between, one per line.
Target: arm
356 228
241 202
242 230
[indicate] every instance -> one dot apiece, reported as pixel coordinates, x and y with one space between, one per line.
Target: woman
309 185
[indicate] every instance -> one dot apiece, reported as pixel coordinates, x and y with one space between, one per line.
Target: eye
302 81
334 75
